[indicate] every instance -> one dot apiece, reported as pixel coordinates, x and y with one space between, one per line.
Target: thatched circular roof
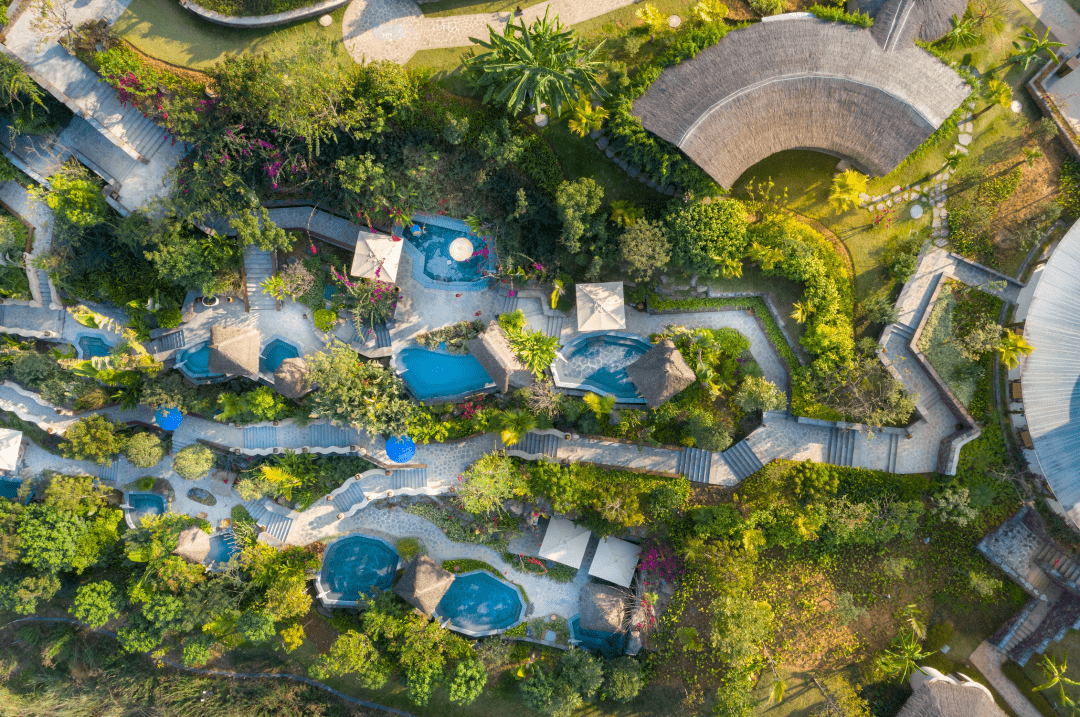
290 379
901 22
424 584
234 350
492 349
194 544
796 82
660 373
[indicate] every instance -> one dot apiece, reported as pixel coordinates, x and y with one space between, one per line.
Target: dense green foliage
358 393
836 14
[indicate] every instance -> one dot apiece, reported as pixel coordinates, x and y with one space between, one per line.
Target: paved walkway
397 29
988 660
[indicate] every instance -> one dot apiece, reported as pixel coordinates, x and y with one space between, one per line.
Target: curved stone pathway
397 29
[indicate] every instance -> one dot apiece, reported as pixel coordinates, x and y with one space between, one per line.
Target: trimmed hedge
835 14
1070 187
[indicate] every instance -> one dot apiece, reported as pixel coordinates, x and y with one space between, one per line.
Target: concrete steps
742 460
273 523
261 437
539 444
43 286
1061 567
258 266
327 435
894 446
840 448
409 478
166 342
505 305
695 464
345 500
554 326
382 336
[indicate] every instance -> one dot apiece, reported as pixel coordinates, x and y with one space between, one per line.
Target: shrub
325 320
645 249
193 462
759 394
767 7
836 14
704 235
144 450
97 603
92 438
622 679
1070 187
407 548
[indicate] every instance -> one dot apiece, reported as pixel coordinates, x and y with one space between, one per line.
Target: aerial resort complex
625 358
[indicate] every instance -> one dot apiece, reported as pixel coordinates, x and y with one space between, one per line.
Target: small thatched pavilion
424 584
565 542
492 350
660 374
194 544
603 608
793 81
234 350
938 695
290 379
600 307
377 256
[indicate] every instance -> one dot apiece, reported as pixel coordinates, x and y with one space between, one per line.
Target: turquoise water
197 363
479 602
434 241
91 346
9 489
144 504
599 361
432 374
358 564
609 644
222 548
275 352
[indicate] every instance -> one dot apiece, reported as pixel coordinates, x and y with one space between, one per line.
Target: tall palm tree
541 63
902 656
962 33
997 94
1029 46
1012 347
846 188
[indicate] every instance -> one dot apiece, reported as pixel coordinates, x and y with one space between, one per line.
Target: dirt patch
1039 187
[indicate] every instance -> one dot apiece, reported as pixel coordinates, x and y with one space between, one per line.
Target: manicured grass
448 8
165 30
1069 646
580 157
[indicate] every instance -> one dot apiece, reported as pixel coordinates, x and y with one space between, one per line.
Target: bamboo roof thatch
424 584
290 379
376 254
600 307
941 698
901 22
234 350
795 82
194 544
603 608
660 374
492 350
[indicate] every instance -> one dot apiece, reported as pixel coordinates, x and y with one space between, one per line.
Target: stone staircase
539 444
45 289
1062 568
166 342
256 437
840 448
1027 622
893 449
275 524
110 471
409 478
696 464
258 266
742 460
505 304
382 336
554 326
346 499
535 319
325 435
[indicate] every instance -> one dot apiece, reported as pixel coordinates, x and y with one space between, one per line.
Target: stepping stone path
916 211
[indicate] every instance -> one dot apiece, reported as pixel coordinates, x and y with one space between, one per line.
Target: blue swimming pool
478 602
144 504
597 362
90 346
434 239
195 362
10 489
275 352
357 564
222 548
436 374
608 644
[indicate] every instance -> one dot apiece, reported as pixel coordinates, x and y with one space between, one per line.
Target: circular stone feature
1016 107
916 211
326 21
541 120
674 21
461 249
389 32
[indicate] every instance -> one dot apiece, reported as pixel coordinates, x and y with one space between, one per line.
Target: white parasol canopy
600 307
9 448
565 542
376 252
461 249
615 561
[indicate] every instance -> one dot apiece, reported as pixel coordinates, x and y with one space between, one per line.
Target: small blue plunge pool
143 505
608 644
222 548
195 362
597 362
434 240
91 346
357 564
478 602
275 352
436 374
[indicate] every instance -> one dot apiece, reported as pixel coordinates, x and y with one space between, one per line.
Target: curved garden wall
281 18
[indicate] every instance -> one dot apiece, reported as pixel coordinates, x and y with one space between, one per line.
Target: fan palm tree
1029 46
902 656
539 63
584 117
730 268
953 160
601 406
1055 677
767 256
515 424
1012 347
535 349
998 94
846 188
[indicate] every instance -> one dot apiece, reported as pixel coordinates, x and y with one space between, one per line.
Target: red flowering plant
370 301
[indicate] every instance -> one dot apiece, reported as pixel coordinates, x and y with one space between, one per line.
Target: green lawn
165 30
446 8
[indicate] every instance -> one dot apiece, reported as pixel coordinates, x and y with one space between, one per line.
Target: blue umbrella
401 449
168 418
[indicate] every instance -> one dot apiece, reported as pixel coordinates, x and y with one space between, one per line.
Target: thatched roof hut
795 82
660 374
946 698
601 307
194 544
901 22
290 379
492 350
376 254
234 350
603 608
424 584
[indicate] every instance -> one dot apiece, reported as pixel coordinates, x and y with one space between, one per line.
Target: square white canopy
600 307
376 252
565 542
10 440
615 561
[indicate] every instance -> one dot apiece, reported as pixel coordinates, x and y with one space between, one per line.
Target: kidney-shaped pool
597 362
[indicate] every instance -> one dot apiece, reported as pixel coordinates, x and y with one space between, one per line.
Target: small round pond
437 374
480 603
275 352
597 362
142 505
91 346
357 564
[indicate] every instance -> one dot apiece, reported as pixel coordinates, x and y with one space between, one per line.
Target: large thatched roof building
660 374
901 22
603 608
938 695
796 82
193 544
290 379
492 350
424 584
234 350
